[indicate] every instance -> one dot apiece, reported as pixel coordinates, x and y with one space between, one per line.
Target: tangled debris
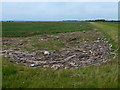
91 52
88 53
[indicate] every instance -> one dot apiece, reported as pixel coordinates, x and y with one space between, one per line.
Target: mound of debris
86 53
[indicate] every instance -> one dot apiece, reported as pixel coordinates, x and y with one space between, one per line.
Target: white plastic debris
32 65
46 53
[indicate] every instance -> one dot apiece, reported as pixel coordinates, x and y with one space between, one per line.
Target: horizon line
66 19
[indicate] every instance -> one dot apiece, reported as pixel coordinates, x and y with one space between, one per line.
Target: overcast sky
53 11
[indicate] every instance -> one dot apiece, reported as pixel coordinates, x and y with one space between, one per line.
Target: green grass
110 30
103 76
17 29
50 45
0 72
16 76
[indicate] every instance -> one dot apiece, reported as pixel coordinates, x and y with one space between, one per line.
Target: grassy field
103 76
110 30
17 29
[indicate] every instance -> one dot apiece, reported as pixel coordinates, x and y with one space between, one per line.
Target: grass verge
17 76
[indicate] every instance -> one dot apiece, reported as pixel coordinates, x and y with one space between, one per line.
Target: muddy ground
63 50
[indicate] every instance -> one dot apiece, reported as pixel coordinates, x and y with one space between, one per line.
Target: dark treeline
102 20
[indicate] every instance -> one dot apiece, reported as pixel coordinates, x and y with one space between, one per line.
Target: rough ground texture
64 50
